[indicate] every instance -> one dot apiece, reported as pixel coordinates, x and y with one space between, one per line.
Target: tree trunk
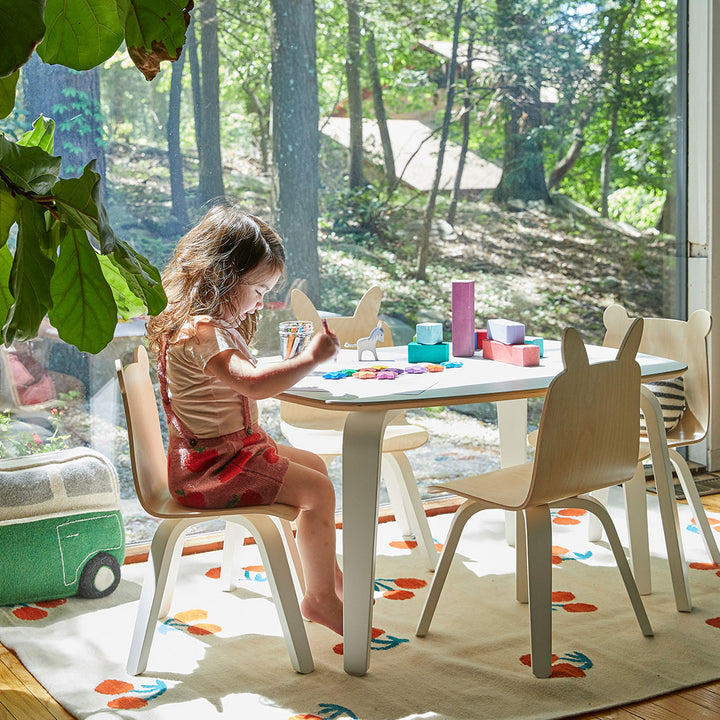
467 104
566 164
295 138
352 72
605 168
379 105
192 52
210 183
175 158
523 176
424 249
72 100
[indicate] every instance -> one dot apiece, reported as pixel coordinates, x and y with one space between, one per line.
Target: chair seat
505 488
678 441
167 508
398 438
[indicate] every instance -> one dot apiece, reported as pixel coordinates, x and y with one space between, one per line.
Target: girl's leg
308 487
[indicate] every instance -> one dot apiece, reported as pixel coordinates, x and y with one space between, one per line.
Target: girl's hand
324 346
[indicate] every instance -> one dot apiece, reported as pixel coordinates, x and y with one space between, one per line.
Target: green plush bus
61 530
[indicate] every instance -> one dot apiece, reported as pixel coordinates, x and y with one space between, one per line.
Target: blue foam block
438 353
529 340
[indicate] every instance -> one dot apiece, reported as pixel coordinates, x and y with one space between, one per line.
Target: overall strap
173 419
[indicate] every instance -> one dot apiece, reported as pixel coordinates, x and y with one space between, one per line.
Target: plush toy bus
61 531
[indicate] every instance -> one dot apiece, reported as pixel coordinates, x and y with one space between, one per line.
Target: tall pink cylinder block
463 318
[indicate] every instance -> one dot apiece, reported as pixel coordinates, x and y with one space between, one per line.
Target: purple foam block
463 318
506 331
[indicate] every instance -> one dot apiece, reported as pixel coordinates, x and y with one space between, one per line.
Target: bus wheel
100 576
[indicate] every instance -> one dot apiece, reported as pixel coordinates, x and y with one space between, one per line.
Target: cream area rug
222 654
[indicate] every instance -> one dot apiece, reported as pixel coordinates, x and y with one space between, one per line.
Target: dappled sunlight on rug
223 653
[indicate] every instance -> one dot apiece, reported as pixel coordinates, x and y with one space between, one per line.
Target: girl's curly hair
208 264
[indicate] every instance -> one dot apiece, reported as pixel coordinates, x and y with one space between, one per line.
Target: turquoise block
438 353
429 333
536 341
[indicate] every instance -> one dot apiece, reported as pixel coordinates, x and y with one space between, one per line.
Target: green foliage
358 215
637 206
62 228
16 442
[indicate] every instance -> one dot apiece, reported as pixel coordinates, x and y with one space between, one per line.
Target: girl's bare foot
326 611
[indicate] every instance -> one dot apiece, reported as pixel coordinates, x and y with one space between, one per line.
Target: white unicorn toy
369 343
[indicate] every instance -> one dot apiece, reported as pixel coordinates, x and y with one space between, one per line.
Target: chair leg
272 551
539 560
157 589
594 525
234 537
636 518
693 498
292 551
521 568
406 501
460 518
600 511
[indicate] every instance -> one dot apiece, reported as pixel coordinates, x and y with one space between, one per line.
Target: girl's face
251 291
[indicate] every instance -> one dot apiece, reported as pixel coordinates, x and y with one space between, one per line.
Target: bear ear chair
149 467
321 431
587 440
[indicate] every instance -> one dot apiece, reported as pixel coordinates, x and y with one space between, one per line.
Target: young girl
218 455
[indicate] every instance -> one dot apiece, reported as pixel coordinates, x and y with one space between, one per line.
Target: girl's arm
265 381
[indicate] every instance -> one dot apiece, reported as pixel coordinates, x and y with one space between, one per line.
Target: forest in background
237 114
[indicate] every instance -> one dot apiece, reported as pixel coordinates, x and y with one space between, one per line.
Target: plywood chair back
588 436
348 330
682 340
147 451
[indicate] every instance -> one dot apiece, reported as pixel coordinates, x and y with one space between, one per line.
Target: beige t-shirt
208 407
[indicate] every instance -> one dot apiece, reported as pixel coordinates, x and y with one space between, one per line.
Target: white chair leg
461 516
234 538
157 588
293 553
400 481
521 568
539 559
272 551
693 498
600 511
636 518
594 525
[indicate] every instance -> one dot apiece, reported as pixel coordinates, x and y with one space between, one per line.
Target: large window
557 125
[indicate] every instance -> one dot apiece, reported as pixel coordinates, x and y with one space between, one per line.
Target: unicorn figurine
369 343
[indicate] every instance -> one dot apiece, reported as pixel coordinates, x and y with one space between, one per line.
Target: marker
325 326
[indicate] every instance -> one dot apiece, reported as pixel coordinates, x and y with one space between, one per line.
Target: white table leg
512 424
362 450
666 498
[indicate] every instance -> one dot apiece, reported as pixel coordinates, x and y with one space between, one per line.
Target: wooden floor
23 698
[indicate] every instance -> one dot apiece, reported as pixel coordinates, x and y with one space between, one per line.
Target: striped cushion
671 396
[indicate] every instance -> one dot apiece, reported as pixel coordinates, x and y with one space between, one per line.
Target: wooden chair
587 439
149 466
685 341
321 431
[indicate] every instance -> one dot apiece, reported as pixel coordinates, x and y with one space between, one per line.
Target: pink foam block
524 355
463 318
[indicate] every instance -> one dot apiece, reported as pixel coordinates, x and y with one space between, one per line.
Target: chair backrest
147 451
588 436
682 340
348 329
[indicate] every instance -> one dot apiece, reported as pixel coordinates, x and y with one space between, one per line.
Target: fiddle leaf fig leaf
74 200
128 304
154 31
30 169
8 214
29 280
42 135
21 29
142 278
7 93
6 299
84 310
81 34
